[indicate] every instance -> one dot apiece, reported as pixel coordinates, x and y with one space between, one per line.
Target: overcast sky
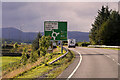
30 16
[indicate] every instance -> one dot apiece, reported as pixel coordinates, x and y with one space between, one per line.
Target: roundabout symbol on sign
54 36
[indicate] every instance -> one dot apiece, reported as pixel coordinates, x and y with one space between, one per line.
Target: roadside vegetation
11 59
48 71
106 28
112 48
33 58
83 44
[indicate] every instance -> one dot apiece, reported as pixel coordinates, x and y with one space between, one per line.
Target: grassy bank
13 68
48 71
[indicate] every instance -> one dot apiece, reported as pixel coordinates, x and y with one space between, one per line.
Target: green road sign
57 30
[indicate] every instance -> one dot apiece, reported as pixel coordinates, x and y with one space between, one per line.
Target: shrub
24 56
15 45
83 43
33 56
44 43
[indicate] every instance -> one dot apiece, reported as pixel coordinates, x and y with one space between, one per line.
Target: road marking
76 66
108 56
112 59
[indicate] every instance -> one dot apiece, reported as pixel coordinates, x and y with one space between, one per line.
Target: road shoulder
71 67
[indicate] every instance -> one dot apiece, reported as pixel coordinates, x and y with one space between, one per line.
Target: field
6 60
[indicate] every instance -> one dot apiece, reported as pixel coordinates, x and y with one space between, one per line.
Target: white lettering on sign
49 26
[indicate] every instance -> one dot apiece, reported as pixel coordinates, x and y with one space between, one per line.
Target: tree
44 43
102 16
24 56
106 31
110 30
35 44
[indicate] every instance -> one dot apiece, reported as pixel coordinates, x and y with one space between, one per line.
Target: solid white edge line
76 66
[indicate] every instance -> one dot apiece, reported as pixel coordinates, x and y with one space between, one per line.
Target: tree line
106 28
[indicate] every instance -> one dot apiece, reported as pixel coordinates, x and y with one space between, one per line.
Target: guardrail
103 46
60 56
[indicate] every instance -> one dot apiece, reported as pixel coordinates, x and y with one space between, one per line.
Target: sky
30 16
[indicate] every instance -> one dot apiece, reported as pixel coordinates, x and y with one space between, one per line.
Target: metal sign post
61 47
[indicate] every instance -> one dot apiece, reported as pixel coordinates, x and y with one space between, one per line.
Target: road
93 63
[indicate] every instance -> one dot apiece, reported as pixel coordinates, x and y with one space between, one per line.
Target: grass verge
112 48
106 48
48 71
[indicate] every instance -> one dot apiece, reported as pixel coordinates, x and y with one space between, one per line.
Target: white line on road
76 66
112 59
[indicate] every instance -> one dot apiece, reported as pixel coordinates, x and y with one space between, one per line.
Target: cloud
79 15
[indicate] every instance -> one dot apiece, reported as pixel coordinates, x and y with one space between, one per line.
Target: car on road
71 43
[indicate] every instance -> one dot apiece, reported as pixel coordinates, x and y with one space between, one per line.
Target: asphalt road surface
93 63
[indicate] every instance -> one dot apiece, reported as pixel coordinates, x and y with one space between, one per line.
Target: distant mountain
15 34
79 36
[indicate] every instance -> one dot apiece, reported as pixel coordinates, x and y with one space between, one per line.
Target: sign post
57 30
61 47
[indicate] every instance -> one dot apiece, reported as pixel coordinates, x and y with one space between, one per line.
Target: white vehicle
71 43
54 45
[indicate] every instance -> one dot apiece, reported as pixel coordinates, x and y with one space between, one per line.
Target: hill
17 35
